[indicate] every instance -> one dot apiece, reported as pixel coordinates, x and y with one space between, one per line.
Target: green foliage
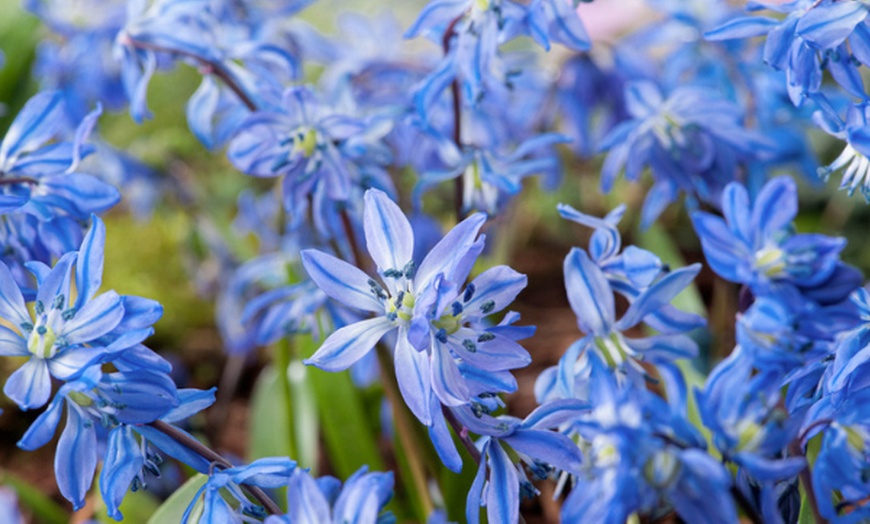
173 509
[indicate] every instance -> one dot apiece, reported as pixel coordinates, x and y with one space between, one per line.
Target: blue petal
76 457
57 283
414 375
38 122
447 254
43 428
829 25
548 447
201 110
12 307
12 344
89 265
742 27
724 252
659 294
30 385
640 266
123 461
775 207
98 317
472 503
589 293
495 288
388 233
306 504
503 491
347 345
341 281
441 438
736 209
447 382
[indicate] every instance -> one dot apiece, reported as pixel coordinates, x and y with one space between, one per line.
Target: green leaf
268 418
173 509
44 509
349 434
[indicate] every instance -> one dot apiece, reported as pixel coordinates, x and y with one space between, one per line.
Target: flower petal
347 345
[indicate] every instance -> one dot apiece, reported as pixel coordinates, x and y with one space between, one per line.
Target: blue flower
754 245
692 141
326 501
269 473
814 36
436 320
96 402
42 178
319 151
489 178
63 336
499 483
592 300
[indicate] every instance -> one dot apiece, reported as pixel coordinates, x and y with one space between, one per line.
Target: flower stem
283 359
405 432
459 183
462 433
198 447
806 479
211 67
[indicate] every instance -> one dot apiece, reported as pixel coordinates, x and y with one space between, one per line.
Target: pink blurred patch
607 19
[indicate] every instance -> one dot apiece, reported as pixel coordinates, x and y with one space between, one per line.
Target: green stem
284 354
404 430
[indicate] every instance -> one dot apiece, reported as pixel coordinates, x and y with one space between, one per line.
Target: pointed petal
98 317
75 460
89 265
30 385
388 233
589 293
503 492
447 382
341 281
445 256
414 377
347 345
659 294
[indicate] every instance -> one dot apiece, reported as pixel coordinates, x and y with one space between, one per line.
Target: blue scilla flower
499 483
79 60
435 319
95 403
132 452
476 30
592 300
814 36
241 46
41 177
639 454
489 177
692 141
755 245
750 425
318 150
269 473
65 333
361 499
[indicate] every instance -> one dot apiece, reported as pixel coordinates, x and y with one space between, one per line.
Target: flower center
41 342
770 261
661 469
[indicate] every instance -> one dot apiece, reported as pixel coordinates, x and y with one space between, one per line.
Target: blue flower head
755 245
326 501
435 319
692 140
